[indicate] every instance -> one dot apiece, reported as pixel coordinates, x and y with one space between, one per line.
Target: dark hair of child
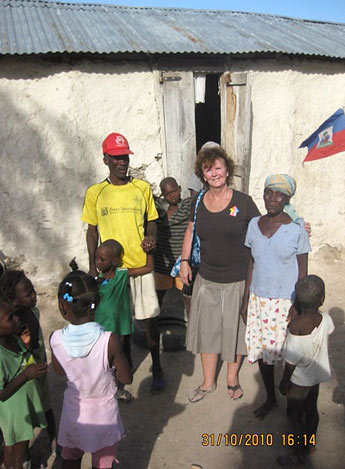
80 290
168 180
8 282
115 246
310 291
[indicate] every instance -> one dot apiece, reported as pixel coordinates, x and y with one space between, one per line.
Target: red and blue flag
328 139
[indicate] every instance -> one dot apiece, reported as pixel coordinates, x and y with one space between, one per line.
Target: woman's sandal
198 394
234 389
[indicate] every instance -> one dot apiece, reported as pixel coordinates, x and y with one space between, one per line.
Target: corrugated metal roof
35 26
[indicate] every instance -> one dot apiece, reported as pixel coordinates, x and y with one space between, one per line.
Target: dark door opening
207 114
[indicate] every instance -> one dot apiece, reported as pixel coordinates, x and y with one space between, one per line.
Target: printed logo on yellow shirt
116 210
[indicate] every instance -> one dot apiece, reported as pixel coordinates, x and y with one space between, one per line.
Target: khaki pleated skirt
214 324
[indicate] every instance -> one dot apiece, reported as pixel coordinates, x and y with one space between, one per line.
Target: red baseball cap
116 145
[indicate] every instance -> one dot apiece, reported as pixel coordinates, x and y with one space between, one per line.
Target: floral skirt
266 328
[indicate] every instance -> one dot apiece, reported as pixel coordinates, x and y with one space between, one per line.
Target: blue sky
333 10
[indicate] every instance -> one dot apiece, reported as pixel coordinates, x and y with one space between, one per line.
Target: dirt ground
166 431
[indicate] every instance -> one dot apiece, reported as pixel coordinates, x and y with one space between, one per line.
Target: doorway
207 114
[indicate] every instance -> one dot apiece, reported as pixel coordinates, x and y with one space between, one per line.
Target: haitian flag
328 139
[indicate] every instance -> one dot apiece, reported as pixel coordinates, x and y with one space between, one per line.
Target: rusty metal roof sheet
36 26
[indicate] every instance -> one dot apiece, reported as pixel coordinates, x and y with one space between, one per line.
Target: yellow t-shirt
119 212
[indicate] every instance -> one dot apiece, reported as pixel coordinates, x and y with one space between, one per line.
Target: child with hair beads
305 352
20 403
89 357
17 290
114 310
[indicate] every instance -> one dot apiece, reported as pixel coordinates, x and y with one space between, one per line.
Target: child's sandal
125 397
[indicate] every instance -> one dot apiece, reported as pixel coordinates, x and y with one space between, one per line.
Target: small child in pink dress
91 359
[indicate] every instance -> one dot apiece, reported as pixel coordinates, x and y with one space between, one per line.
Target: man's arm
92 243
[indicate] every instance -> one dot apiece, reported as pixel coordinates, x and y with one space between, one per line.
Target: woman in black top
215 326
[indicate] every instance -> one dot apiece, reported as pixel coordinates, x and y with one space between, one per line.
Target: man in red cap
122 208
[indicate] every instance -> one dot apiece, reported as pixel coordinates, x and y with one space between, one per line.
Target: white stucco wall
53 120
54 117
290 100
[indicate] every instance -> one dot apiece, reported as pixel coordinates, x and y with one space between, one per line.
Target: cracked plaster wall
54 117
290 100
53 120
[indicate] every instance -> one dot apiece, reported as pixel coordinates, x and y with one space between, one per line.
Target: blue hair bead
68 298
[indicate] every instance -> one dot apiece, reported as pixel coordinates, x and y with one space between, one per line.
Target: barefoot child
17 290
91 359
305 352
114 311
20 403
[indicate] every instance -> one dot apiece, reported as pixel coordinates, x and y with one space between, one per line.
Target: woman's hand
185 272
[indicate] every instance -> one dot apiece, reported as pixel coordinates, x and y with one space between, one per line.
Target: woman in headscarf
279 254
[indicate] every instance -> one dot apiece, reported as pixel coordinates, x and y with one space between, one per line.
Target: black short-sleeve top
224 257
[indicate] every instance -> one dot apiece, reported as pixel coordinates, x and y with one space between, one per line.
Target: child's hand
284 387
148 243
36 370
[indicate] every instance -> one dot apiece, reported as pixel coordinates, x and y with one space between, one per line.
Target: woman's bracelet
184 260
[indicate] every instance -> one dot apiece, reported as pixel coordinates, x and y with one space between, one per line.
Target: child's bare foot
263 410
